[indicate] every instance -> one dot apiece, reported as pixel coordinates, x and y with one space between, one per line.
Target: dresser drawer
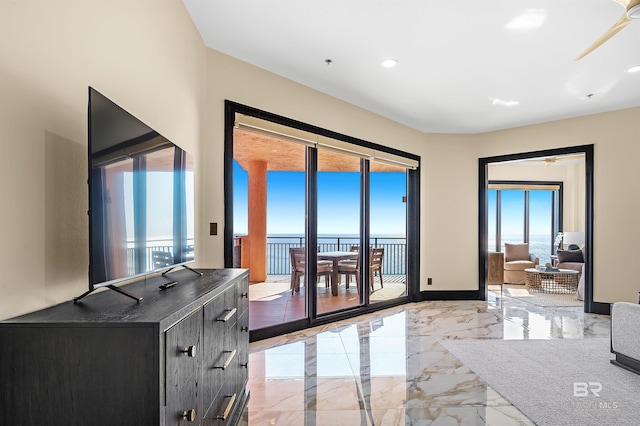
222 312
183 357
219 371
242 374
222 408
242 293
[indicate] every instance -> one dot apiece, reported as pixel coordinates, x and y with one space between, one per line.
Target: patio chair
353 248
161 259
297 257
375 266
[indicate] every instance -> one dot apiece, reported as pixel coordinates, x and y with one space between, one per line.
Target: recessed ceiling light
389 63
635 68
500 102
529 20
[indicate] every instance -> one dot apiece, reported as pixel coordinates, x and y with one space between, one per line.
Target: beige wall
449 162
146 56
449 215
616 138
572 175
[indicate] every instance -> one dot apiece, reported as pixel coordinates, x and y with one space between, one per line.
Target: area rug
555 382
520 292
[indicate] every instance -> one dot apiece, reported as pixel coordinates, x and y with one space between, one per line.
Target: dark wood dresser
178 357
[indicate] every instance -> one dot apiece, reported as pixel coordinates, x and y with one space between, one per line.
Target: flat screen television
141 198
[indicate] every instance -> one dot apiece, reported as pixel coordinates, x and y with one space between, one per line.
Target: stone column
257 226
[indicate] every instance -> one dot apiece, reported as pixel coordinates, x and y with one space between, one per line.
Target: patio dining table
336 257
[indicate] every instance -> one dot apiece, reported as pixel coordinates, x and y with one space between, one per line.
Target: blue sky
513 212
338 202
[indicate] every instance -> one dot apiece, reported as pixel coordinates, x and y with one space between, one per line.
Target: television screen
141 197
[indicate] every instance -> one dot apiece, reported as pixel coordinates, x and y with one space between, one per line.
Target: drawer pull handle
230 314
244 365
190 351
189 415
244 328
228 409
245 295
228 361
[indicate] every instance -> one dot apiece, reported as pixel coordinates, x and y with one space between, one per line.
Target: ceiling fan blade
573 157
628 4
622 22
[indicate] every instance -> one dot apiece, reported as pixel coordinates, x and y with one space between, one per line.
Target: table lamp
573 240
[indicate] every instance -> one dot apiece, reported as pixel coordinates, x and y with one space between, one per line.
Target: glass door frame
412 232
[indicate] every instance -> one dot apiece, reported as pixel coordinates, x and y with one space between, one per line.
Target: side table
495 269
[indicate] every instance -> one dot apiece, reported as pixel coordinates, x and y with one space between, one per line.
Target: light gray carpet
538 376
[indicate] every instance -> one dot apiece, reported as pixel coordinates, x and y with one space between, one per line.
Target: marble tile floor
388 368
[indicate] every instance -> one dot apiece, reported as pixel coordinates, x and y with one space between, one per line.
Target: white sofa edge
625 335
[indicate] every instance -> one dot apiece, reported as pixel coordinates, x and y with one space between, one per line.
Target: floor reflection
388 368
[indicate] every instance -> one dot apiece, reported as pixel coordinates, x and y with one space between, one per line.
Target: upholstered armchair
516 259
573 259
570 259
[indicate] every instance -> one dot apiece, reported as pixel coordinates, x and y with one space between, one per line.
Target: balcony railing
278 263
152 246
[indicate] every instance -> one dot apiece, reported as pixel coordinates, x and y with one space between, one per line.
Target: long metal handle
230 314
228 361
228 409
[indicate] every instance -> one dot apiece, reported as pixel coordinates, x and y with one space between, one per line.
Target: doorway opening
572 169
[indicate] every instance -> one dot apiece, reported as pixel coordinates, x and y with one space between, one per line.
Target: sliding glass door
338 230
321 223
269 193
388 231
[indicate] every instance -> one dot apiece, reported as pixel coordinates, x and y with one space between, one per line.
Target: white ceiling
460 68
